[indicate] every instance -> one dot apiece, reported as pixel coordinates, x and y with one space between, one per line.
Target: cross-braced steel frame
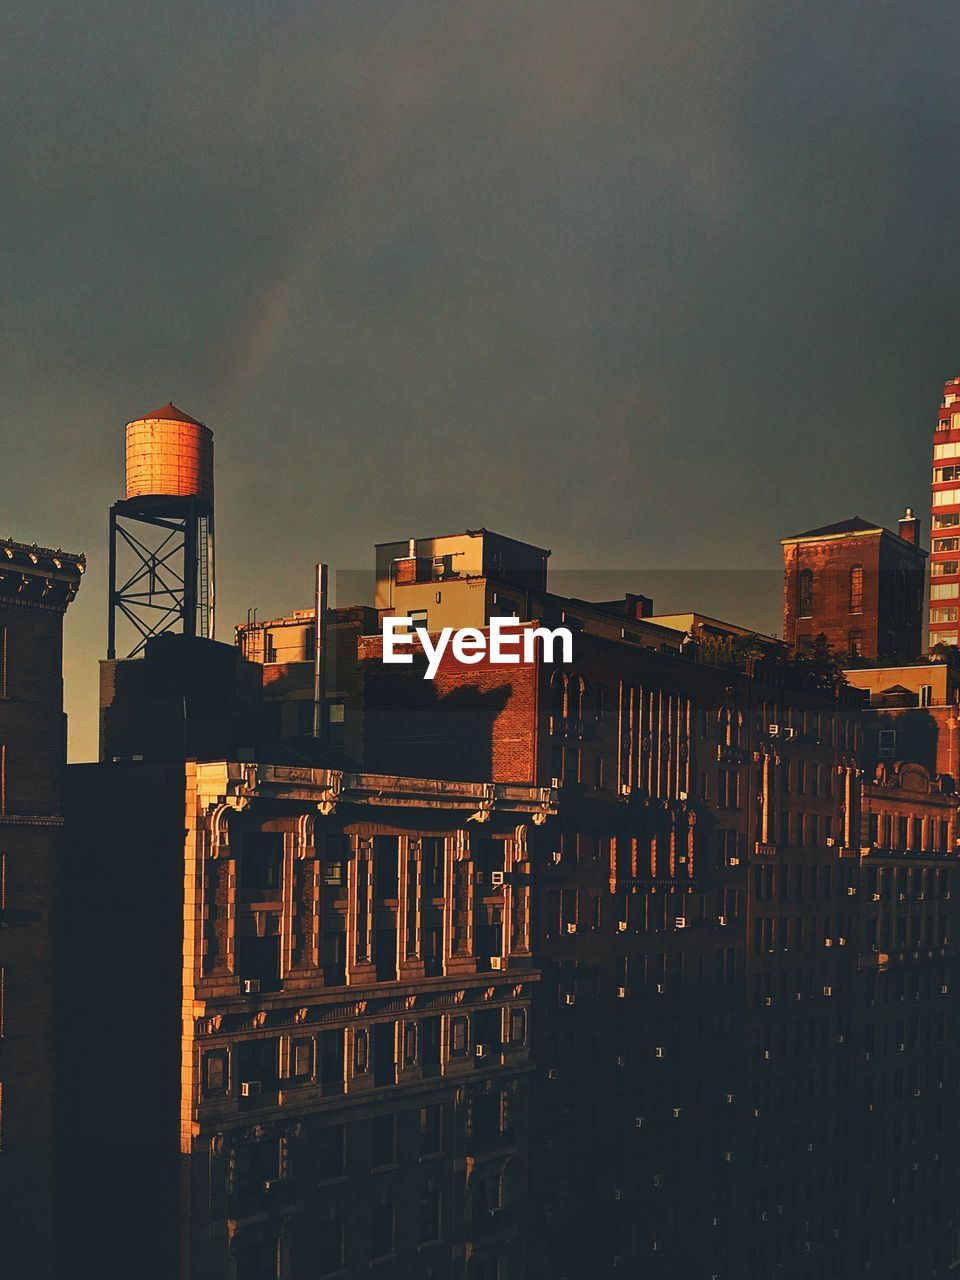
166 545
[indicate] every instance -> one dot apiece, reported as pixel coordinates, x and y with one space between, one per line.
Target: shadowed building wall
36 586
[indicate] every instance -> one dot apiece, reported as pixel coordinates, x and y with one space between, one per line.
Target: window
944 591
215 1073
3 662
948 521
944 615
944 475
336 712
261 860
949 450
329 1147
384 1148
330 1046
330 1246
887 746
518 1026
428 1215
301 1059
381 1230
944 568
805 586
856 589
855 644
431 1130
926 695
459 1037
946 497
418 618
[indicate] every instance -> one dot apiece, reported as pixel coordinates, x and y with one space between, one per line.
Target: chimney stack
909 527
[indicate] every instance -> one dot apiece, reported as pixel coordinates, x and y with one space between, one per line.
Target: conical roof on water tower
169 454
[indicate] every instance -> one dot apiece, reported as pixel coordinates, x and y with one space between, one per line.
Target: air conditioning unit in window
250 1088
480 1050
555 783
498 962
553 1074
773 730
571 928
680 922
272 1184
789 733
733 862
251 986
621 926
622 993
944 989
569 998
659 1051
722 921
661 988
677 1112
876 897
768 1001
638 1121
828 991
556 857
617 1193
496 879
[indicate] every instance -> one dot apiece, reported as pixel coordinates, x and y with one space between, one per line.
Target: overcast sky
651 284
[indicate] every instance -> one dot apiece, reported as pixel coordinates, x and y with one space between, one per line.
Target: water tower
161 534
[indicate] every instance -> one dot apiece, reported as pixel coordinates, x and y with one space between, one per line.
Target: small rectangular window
887 746
459 1036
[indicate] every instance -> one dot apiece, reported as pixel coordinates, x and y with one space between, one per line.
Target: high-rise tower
945 524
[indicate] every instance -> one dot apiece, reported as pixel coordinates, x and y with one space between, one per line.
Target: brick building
36 586
617 930
857 584
704 916
697 806
326 993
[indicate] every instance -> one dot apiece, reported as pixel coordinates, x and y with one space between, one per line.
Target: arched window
805 586
575 691
856 588
557 695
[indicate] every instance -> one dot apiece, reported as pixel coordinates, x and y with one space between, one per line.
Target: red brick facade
858 585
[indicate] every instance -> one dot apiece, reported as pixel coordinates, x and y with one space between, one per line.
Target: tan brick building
348 959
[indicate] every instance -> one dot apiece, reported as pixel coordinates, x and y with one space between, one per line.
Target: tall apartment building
945 522
317 1056
858 585
36 587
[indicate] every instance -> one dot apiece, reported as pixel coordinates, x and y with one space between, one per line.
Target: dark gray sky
651 284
